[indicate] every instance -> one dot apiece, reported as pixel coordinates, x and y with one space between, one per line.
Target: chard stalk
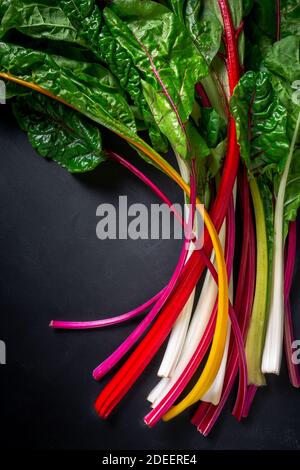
213 92
214 393
195 332
179 330
272 354
257 328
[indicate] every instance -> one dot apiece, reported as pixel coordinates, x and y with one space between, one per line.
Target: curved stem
207 415
195 359
127 375
180 328
85 325
119 353
196 393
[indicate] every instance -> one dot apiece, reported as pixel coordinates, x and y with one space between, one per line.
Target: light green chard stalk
261 122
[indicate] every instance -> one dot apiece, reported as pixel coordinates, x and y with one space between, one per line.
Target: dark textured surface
53 266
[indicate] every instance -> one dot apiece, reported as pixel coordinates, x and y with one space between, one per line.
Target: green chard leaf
100 100
177 7
87 18
168 64
59 133
292 191
38 20
212 126
200 19
286 82
204 26
290 18
129 10
283 62
283 59
264 15
261 123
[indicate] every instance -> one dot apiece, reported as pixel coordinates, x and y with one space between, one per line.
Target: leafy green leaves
212 127
284 63
264 16
155 65
292 190
283 58
204 27
290 18
200 18
97 99
59 133
38 21
272 111
261 124
86 16
168 64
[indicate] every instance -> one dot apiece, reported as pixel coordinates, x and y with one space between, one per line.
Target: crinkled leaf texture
38 20
204 27
86 17
284 63
261 123
290 18
59 133
283 58
98 99
167 60
201 22
94 30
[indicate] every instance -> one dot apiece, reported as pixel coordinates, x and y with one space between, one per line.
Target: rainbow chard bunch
211 81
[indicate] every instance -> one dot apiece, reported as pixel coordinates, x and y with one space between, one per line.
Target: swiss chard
261 122
59 133
201 21
169 69
290 18
38 20
95 30
100 100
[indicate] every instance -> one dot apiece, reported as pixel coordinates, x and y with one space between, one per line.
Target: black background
53 266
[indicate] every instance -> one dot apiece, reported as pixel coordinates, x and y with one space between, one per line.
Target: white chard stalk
195 332
176 340
272 354
213 394
179 330
157 390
